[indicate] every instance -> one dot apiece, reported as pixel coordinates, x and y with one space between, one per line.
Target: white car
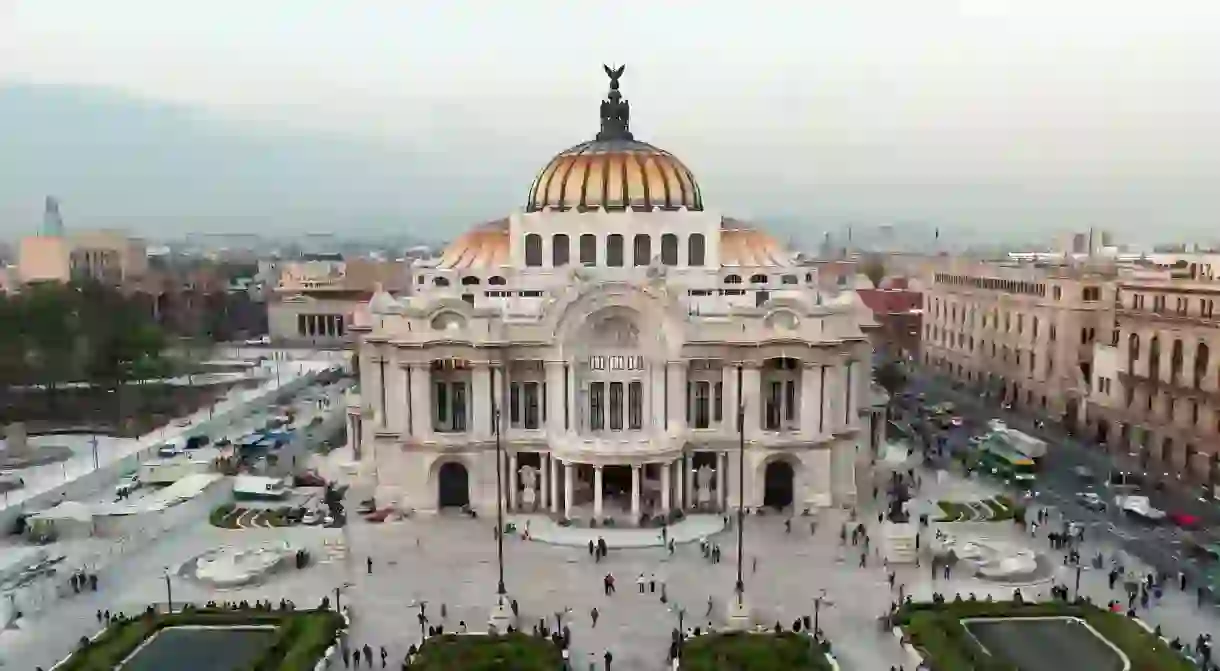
313 517
127 485
1091 500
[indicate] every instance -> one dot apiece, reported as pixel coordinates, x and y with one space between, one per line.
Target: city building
604 337
897 308
314 298
1020 332
1155 392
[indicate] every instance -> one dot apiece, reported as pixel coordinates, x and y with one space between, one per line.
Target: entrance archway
778 485
452 485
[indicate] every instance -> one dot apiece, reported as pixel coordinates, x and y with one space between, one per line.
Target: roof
891 301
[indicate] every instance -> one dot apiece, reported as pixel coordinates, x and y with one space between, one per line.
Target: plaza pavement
451 560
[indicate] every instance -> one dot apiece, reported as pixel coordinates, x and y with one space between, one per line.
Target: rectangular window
790 400
635 406
702 405
459 406
689 397
616 406
543 402
514 404
442 403
774 397
530 391
597 406
718 402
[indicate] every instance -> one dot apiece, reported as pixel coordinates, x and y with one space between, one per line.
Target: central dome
614 175
615 171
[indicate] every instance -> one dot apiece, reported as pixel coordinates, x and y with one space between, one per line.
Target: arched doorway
452 485
778 485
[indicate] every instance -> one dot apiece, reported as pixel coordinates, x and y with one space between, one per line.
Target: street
1159 545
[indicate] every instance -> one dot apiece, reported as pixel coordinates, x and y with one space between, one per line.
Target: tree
873 268
892 377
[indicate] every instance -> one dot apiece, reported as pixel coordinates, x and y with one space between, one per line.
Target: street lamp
741 493
1079 568
169 593
817 610
500 591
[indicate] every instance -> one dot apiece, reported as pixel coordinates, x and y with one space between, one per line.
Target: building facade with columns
604 338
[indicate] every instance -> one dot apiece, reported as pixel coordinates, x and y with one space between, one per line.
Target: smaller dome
382 302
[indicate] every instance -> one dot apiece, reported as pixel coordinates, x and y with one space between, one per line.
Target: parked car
313 517
1091 500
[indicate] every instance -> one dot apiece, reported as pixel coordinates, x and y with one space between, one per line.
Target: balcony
1181 388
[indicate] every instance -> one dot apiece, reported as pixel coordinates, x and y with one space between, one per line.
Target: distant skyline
989 119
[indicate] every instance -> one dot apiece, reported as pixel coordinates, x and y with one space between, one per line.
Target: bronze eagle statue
614 74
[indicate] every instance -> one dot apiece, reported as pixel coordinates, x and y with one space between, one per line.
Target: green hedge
953 511
743 651
473 652
302 637
937 631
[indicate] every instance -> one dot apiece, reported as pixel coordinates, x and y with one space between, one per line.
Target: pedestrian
592 547
640 583
513 605
788 525
384 654
593 615
652 583
609 658
369 564
356 657
368 654
754 565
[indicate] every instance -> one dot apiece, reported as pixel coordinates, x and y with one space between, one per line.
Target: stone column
635 493
811 399
574 414
553 468
512 481
480 402
567 490
722 479
597 493
665 487
675 376
421 400
555 398
544 481
654 387
688 481
751 386
729 416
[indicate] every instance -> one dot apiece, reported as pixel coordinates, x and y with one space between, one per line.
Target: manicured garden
476 652
299 639
230 516
938 632
994 509
746 651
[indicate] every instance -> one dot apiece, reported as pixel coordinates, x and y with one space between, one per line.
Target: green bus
1006 463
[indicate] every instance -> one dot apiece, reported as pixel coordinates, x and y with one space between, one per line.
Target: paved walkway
543 529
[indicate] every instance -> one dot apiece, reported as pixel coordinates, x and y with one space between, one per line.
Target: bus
1006 463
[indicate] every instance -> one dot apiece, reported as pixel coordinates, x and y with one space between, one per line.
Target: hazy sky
428 116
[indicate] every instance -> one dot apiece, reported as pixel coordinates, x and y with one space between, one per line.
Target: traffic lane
1067 452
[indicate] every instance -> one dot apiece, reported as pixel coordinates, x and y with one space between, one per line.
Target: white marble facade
618 373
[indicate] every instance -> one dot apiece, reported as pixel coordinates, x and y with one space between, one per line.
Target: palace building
605 337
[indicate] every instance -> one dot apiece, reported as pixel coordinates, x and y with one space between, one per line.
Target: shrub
518 652
744 651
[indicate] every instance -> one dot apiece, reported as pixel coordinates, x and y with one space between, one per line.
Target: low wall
94 481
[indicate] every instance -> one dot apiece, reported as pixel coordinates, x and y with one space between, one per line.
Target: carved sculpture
615 112
529 485
703 484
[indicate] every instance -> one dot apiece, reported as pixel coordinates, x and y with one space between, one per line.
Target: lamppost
741 496
498 615
817 610
169 593
1079 568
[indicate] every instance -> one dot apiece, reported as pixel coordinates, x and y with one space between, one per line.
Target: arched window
559 250
533 250
732 279
469 281
614 250
695 250
758 279
642 245
669 249
440 281
496 280
1154 358
789 279
588 249
1175 361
